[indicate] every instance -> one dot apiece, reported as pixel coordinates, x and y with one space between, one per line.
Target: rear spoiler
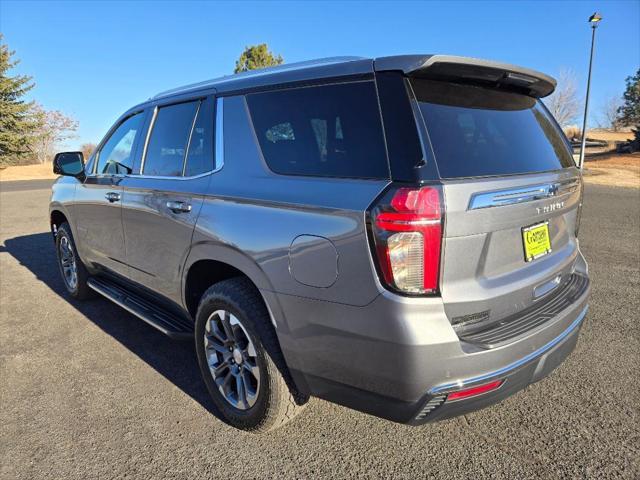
470 70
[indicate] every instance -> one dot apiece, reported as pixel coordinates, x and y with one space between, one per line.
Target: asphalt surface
22 185
89 391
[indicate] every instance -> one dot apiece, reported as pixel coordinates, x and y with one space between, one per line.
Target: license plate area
536 241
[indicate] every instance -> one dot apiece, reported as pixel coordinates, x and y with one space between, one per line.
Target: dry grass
572 132
604 169
614 170
27 172
608 136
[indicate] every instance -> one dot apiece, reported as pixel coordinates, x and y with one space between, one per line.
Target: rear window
477 132
328 131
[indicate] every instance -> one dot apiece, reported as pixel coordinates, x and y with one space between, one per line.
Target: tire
267 398
66 251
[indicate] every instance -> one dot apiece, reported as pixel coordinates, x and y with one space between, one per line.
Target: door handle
112 196
179 207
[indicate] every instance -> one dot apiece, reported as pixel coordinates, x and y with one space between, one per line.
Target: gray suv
397 235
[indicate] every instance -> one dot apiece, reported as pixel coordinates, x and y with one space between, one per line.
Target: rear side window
327 131
476 131
200 155
169 140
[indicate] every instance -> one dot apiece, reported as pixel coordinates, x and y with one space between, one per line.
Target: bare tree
54 128
609 116
87 149
564 103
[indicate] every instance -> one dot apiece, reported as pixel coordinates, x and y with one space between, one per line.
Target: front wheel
74 274
240 358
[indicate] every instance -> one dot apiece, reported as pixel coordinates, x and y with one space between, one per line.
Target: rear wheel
74 274
240 358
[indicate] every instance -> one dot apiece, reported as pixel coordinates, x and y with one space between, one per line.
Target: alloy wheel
68 263
232 359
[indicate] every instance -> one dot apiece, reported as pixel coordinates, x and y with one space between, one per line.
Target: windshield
477 131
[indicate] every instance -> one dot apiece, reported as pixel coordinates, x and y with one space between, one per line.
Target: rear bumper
515 377
398 358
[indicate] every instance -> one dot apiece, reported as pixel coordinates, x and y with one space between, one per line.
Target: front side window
328 131
169 140
116 155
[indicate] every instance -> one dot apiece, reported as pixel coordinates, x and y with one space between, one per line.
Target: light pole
593 20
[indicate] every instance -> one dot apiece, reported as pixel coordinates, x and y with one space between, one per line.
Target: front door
98 206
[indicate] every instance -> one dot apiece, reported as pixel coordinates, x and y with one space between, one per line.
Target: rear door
511 191
161 203
98 199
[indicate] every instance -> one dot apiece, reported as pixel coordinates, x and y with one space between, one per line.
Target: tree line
614 113
30 134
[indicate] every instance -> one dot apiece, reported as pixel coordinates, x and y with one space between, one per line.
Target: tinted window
406 157
116 155
331 130
169 139
200 156
480 132
90 163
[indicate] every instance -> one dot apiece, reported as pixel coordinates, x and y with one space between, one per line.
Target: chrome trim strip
512 196
146 140
154 177
219 135
160 177
186 151
219 149
515 365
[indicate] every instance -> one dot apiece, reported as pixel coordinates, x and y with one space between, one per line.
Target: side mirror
70 164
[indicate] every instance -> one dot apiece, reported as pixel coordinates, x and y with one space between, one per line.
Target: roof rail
257 73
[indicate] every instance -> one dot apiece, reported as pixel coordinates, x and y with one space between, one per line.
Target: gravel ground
89 391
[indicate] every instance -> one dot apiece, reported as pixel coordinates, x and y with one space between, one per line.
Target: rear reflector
473 391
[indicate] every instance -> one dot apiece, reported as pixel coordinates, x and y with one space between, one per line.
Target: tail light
406 226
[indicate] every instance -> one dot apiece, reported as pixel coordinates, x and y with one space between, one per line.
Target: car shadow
174 360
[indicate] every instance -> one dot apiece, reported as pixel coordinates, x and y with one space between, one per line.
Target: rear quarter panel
251 217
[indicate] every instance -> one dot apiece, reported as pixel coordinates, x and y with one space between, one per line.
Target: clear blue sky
93 60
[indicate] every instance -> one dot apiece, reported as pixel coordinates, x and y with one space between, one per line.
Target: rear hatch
511 193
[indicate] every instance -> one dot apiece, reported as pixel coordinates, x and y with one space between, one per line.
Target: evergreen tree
17 122
630 111
257 56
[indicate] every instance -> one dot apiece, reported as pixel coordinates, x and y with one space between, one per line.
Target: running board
171 325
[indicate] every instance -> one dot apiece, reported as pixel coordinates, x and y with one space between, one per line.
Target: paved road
88 391
21 185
